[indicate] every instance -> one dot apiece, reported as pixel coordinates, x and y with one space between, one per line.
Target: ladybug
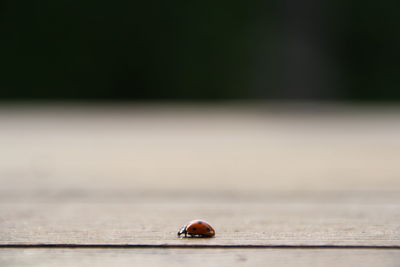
197 228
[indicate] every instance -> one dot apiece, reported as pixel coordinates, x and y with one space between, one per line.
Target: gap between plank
128 246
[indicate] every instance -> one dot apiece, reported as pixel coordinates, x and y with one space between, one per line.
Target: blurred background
208 50
256 95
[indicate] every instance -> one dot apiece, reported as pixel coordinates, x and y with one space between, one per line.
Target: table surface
289 184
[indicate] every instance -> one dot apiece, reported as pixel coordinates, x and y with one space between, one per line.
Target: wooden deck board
352 221
262 176
198 257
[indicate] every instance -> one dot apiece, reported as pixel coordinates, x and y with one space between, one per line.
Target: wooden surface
279 220
262 175
199 257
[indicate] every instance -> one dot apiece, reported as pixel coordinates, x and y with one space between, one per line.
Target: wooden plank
261 175
283 220
198 257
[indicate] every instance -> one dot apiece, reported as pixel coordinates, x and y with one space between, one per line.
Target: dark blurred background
194 50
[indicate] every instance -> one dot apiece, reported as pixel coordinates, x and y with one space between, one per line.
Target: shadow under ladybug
197 228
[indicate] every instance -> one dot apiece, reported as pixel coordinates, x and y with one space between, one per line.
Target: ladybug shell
200 228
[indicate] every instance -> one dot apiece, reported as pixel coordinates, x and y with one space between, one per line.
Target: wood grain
198 257
283 220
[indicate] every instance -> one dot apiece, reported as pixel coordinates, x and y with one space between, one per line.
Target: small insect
197 228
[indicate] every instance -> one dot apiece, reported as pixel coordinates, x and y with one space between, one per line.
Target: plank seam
183 246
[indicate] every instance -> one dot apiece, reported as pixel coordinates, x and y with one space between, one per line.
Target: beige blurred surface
215 147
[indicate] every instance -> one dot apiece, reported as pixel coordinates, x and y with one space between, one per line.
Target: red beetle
197 228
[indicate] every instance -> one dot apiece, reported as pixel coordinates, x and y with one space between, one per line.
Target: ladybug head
182 231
